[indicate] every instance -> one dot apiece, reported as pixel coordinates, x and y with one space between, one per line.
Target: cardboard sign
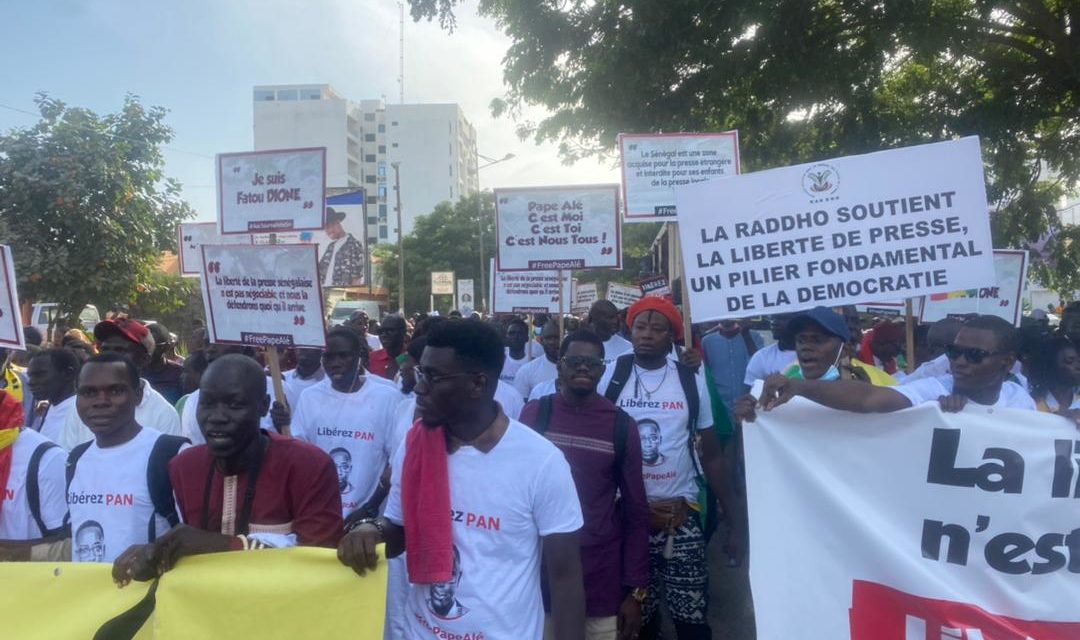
272 191
442 283
886 225
654 164
528 292
621 295
552 228
1000 296
263 295
193 235
584 295
466 297
11 329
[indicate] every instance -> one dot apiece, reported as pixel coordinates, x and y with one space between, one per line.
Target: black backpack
157 478
33 489
622 427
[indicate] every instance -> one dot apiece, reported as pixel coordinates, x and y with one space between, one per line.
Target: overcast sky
201 58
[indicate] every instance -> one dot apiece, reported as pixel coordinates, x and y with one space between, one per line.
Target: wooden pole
273 359
681 270
909 330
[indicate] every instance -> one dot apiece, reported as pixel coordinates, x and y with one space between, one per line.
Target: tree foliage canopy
85 203
809 79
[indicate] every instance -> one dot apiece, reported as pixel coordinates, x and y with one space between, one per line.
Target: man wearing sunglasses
980 358
601 444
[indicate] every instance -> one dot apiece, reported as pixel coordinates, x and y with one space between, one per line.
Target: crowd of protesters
529 478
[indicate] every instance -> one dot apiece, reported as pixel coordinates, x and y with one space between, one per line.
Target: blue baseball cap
829 320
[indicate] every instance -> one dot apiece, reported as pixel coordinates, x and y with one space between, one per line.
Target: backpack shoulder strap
33 488
69 469
543 414
158 483
622 428
623 365
693 405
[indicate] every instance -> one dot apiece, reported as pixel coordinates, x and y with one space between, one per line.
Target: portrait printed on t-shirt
343 463
90 542
651 443
442 597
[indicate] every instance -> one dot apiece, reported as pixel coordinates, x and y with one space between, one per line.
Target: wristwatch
639 594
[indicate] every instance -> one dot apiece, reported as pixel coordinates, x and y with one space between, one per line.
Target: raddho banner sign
293 593
914 525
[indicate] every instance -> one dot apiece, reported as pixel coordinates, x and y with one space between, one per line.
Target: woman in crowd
1055 376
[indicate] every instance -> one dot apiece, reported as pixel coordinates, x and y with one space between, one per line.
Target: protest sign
264 191
621 295
584 295
551 228
11 330
654 164
656 286
892 224
999 296
442 283
466 296
195 234
913 525
266 296
528 292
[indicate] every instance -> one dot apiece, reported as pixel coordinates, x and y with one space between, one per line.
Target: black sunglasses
591 362
973 355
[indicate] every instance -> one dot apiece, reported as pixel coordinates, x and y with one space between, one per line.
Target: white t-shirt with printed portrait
109 500
356 429
502 503
16 521
930 389
656 401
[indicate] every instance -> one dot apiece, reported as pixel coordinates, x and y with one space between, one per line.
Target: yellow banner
288 593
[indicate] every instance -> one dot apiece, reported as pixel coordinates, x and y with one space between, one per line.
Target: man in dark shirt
601 444
163 376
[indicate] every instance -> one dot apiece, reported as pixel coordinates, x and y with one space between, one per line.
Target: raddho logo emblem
821 180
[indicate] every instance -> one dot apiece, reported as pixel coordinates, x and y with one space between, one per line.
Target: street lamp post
480 218
400 239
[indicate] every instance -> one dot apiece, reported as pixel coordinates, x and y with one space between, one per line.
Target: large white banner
11 330
264 191
653 164
1000 296
529 292
193 235
266 295
915 525
550 228
886 225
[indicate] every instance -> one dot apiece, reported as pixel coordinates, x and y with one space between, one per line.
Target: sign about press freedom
11 330
999 296
264 296
550 228
621 295
654 164
529 291
925 525
585 294
192 236
265 191
892 224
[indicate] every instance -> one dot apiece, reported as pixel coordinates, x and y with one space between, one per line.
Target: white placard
552 228
621 295
195 234
892 224
442 283
585 294
528 292
1002 296
272 191
263 295
654 164
11 329
466 297
913 525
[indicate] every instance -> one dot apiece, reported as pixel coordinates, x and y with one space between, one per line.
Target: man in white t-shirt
352 416
980 356
660 394
517 337
308 373
604 322
52 379
119 492
774 358
540 369
511 495
33 506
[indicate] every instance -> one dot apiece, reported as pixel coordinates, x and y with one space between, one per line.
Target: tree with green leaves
85 204
810 79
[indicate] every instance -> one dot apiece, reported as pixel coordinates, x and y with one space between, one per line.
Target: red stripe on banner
883 613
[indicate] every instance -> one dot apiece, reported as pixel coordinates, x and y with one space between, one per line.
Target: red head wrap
661 306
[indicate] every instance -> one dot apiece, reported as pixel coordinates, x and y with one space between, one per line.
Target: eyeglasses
431 379
575 362
973 355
